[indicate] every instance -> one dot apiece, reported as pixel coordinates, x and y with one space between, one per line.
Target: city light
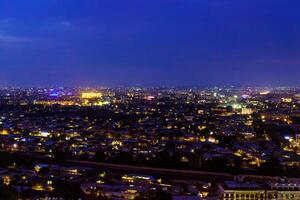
91 95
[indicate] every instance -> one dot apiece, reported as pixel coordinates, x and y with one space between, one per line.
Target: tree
123 158
258 125
157 194
272 167
8 193
44 171
60 154
99 156
67 190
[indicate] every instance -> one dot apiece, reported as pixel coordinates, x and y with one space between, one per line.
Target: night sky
149 42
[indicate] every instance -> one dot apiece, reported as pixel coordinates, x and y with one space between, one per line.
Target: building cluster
248 130
229 190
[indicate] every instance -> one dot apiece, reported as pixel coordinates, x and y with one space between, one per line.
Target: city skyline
149 43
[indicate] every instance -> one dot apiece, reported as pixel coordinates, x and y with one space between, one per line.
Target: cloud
11 38
8 28
8 38
290 61
5 23
19 31
65 24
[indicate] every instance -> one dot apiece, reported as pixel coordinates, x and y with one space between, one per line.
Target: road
172 173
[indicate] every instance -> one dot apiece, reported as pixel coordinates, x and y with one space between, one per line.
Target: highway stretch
172 173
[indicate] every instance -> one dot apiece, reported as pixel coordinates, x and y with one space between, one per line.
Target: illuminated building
246 111
236 106
51 103
101 103
138 178
264 92
297 138
91 95
283 191
93 99
286 100
4 132
232 190
6 180
44 134
149 98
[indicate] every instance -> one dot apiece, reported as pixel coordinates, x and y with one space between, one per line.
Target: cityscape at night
149 100
151 143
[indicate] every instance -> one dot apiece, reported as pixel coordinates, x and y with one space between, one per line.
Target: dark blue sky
149 42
